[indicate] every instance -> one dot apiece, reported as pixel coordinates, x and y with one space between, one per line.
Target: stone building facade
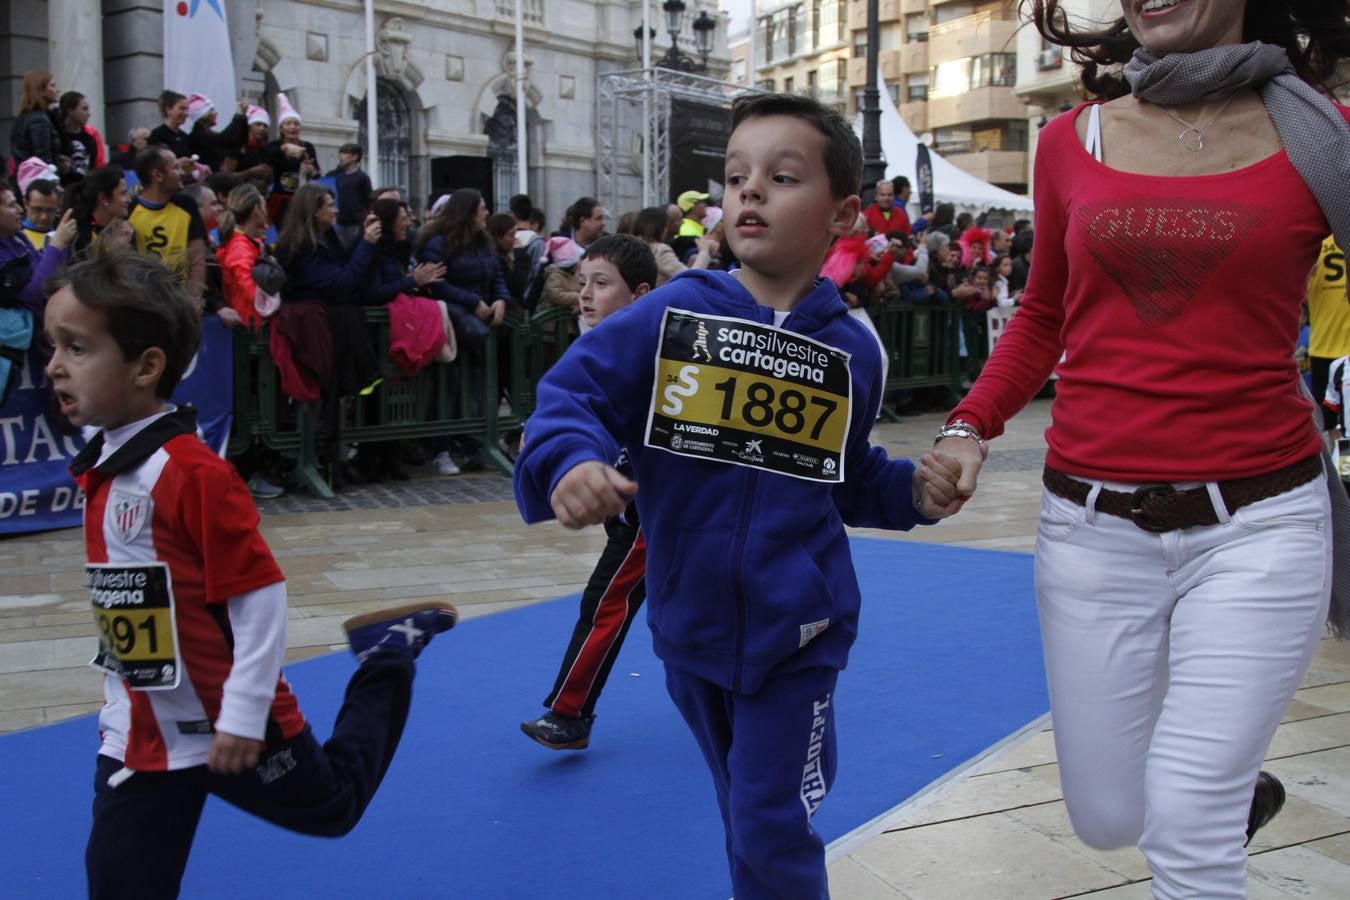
445 77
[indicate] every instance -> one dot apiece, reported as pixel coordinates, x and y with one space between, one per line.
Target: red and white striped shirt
159 495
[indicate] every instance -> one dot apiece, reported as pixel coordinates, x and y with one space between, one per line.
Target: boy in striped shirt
191 606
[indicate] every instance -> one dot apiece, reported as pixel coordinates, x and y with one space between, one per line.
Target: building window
395 120
946 12
738 68
813 83
860 45
788 84
833 22
894 88
782 34
916 28
957 76
952 140
804 35
916 89
765 84
833 83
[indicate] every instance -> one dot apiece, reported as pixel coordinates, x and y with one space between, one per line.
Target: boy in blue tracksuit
745 401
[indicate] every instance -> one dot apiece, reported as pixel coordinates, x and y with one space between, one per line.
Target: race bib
739 392
134 612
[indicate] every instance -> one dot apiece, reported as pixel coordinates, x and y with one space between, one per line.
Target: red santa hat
285 110
198 106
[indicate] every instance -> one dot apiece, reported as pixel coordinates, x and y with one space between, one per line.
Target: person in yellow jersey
166 221
1328 314
694 204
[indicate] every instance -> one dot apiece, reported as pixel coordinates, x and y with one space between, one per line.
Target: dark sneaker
401 629
558 732
1267 801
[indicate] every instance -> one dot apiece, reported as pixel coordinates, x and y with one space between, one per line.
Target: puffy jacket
388 278
472 276
742 564
236 275
34 134
327 273
24 271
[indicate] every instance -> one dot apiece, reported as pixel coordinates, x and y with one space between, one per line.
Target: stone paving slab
999 832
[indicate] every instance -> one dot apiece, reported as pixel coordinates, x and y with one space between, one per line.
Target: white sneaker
445 465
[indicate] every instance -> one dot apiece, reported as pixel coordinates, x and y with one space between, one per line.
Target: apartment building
1046 80
949 65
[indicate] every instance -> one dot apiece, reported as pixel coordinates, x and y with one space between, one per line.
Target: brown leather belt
1161 507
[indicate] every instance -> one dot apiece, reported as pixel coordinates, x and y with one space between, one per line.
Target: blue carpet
948 663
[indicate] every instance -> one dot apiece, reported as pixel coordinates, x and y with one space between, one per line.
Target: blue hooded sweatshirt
743 565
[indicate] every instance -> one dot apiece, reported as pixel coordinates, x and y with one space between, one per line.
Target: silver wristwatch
959 428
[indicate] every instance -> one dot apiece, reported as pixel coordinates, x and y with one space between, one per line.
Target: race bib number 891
739 392
137 635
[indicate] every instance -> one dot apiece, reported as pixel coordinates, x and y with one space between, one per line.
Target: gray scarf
1313 131
1317 139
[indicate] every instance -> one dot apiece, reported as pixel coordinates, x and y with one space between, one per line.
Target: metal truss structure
632 163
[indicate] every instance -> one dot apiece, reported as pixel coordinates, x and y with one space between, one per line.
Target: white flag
197 55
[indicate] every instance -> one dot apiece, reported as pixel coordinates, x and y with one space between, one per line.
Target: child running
191 606
616 270
750 461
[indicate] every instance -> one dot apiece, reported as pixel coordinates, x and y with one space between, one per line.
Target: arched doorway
395 163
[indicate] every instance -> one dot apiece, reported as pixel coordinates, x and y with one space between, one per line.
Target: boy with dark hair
353 191
745 402
191 606
616 270
166 220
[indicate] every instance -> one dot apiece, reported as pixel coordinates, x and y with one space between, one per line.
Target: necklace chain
1192 137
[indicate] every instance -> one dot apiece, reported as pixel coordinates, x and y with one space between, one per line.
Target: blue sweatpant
772 757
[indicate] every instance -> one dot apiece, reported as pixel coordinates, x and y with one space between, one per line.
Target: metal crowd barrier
491 396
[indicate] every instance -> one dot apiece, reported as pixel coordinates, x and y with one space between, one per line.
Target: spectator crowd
258 231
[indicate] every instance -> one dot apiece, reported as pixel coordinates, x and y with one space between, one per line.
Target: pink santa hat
285 110
34 169
198 106
712 217
257 114
563 252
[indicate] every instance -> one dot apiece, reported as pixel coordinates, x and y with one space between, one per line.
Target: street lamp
874 167
637 36
704 26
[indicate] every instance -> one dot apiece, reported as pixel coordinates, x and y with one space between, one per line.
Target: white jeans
1170 660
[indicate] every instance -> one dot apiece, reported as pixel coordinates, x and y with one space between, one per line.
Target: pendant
1192 139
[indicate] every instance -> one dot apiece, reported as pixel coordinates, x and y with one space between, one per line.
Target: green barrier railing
466 397
923 348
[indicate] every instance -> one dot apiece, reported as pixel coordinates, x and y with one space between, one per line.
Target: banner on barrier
36 490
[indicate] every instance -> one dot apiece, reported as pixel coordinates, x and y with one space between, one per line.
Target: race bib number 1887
735 391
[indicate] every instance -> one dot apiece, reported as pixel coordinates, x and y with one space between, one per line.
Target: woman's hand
373 229
65 232
425 273
294 151
229 317
949 473
498 311
482 310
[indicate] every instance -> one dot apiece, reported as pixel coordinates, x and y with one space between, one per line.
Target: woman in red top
241 232
1183 556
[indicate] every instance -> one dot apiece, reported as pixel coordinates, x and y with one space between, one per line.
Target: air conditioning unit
1049 58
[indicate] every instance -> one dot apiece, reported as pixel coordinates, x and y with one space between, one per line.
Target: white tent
950 184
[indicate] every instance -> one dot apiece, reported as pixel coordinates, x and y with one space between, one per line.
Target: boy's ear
845 214
641 289
150 367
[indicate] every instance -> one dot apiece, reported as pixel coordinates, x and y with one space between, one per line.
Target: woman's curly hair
1315 34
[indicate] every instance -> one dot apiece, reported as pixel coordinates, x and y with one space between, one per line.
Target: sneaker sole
395 612
575 745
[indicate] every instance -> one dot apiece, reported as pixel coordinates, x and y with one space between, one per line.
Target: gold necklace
1192 137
